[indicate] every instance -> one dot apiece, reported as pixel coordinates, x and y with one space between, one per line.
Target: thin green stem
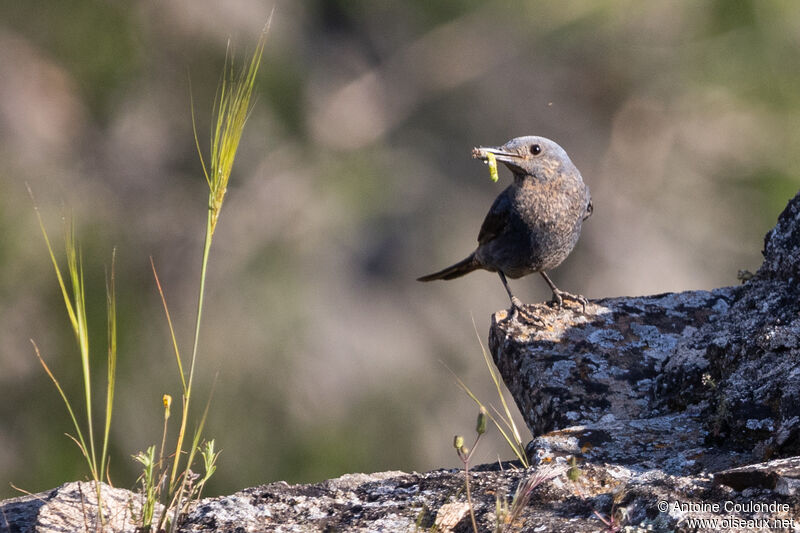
469 498
201 295
187 393
171 327
75 268
189 461
67 302
80 440
466 461
111 303
509 420
515 445
167 402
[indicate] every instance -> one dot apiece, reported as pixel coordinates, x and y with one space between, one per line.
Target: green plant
508 428
175 485
149 485
617 517
231 110
507 515
75 303
465 454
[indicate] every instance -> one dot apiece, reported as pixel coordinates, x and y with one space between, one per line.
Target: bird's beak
511 159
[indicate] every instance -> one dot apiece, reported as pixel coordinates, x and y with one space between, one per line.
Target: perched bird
534 224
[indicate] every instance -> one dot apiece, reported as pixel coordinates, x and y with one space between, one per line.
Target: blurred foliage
354 177
96 41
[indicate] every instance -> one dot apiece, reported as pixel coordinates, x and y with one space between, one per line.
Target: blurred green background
355 177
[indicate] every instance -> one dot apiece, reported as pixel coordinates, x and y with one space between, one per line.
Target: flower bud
167 400
480 426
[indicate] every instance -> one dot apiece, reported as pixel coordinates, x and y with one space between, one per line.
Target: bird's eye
536 149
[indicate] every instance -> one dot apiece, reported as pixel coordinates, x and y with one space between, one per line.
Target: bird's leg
517 306
559 296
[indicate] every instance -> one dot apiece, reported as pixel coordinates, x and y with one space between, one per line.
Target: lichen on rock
691 381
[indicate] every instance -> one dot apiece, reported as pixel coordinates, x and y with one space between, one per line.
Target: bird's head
529 156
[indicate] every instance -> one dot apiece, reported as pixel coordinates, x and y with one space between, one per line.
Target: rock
780 475
782 246
71 507
690 382
596 372
395 502
592 496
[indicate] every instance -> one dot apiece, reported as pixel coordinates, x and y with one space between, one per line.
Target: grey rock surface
780 475
400 502
687 382
71 507
584 500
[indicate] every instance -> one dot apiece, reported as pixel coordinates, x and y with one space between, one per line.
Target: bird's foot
559 296
518 309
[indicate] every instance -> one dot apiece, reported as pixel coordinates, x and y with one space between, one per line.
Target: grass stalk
465 454
75 304
79 440
503 421
513 442
232 108
75 268
187 391
111 312
469 498
231 111
169 323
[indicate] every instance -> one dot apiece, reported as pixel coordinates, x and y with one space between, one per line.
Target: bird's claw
518 309
559 296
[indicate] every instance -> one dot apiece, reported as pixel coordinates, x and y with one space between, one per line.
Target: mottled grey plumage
535 223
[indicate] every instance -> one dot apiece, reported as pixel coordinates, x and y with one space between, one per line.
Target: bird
534 224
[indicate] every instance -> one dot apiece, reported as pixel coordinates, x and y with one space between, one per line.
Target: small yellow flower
167 400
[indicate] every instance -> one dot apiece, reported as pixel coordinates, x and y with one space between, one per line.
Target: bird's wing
496 219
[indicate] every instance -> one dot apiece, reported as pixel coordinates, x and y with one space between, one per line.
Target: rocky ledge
684 382
674 412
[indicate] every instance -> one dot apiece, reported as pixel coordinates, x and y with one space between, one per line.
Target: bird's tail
459 269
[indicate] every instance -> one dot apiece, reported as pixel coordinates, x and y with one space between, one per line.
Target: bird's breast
551 214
